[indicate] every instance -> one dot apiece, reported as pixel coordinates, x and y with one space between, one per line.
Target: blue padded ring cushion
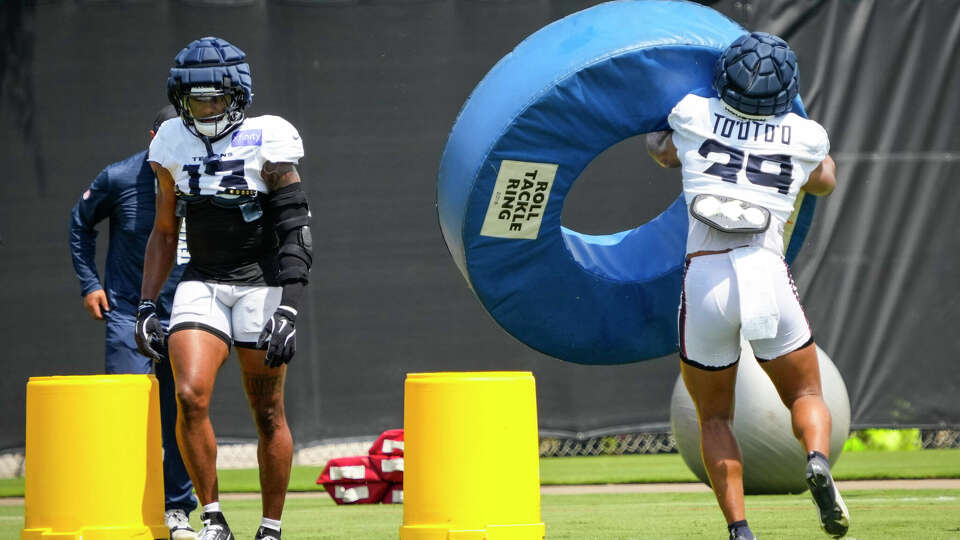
530 127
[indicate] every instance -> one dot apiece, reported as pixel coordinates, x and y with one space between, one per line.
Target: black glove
150 335
281 335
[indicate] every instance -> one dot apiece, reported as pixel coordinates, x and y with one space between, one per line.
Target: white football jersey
764 162
240 155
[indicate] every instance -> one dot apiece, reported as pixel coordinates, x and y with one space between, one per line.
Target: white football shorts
709 320
234 313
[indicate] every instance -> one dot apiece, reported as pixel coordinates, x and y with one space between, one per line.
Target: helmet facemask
210 110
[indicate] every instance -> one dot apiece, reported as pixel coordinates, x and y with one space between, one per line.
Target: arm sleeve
94 205
281 142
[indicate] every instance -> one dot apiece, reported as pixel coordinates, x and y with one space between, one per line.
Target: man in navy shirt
125 192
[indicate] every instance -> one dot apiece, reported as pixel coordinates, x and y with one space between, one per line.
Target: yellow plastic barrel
471 457
94 460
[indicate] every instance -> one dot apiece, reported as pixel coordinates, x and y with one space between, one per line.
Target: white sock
212 507
270 523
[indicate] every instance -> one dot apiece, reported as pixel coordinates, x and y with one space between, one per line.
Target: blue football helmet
210 86
757 75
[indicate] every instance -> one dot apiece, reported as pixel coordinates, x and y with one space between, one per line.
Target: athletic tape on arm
565 94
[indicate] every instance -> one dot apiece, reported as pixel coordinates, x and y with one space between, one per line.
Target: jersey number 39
728 171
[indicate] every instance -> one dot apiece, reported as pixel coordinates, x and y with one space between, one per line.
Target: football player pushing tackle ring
745 157
234 180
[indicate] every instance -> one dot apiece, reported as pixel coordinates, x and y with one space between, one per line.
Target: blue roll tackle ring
530 127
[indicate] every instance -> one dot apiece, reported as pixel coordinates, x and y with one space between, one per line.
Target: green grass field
876 514
642 469
865 465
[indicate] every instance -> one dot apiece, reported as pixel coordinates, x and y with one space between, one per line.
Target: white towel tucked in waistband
759 313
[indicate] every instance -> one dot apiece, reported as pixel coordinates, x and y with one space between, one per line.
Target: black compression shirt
224 248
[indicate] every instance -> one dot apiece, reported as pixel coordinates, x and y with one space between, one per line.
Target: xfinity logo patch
247 137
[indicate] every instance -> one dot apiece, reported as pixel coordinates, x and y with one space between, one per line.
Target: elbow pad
291 222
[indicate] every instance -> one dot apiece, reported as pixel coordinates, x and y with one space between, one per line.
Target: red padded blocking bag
390 468
352 480
394 494
357 493
349 470
360 480
389 443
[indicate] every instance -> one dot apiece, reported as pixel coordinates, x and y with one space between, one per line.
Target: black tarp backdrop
374 87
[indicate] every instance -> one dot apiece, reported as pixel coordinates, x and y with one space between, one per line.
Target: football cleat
266 533
834 517
742 533
214 527
179 524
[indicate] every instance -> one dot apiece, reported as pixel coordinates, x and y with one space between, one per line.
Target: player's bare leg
713 396
196 356
797 378
264 388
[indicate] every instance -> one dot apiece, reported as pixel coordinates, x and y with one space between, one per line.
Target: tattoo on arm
278 175
263 386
